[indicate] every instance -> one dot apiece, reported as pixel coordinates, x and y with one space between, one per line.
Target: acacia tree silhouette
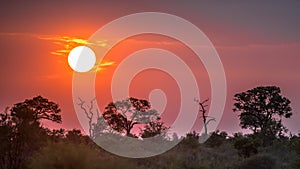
123 115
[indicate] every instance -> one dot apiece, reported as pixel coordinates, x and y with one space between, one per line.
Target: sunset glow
149 84
256 48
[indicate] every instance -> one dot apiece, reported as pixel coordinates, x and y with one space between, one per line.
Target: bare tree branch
88 113
202 110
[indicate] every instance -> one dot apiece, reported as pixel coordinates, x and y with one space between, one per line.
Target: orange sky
256 48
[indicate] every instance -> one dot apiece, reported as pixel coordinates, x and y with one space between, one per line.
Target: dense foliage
27 144
123 115
262 109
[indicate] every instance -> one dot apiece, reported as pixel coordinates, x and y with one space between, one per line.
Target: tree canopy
22 132
154 128
262 109
123 115
37 108
26 143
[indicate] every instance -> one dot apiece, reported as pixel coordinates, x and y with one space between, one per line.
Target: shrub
216 139
246 146
191 140
296 148
262 161
66 156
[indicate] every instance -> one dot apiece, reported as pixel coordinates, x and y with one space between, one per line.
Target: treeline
27 144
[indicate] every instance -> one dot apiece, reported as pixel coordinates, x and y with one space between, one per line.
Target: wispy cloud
67 43
103 65
64 45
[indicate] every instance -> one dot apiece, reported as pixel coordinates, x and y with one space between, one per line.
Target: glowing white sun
82 59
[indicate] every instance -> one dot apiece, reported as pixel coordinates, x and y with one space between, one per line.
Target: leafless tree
97 124
202 109
89 113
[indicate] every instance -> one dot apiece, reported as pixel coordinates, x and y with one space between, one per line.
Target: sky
257 42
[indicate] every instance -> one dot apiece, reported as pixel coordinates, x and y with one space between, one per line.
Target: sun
82 59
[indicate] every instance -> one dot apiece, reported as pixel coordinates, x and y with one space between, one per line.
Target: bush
216 139
246 146
262 161
296 148
66 156
191 140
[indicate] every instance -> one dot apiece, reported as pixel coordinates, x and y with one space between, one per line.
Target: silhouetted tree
123 115
6 133
261 110
97 128
40 108
89 113
56 135
23 132
154 128
206 119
